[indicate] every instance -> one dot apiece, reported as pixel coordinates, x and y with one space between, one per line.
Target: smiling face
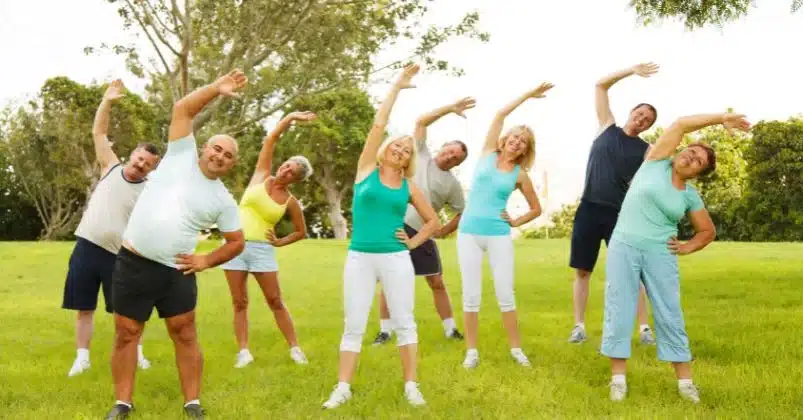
219 155
451 154
641 118
519 145
142 161
289 172
695 160
397 153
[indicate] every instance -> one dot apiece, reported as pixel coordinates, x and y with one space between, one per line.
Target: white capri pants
470 249
360 274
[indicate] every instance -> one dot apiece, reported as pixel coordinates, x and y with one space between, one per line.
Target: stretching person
263 204
485 225
379 248
156 266
99 234
644 249
615 156
440 187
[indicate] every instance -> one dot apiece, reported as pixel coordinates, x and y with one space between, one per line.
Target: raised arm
421 124
300 232
670 139
427 213
265 159
367 161
100 129
185 110
525 185
602 105
495 130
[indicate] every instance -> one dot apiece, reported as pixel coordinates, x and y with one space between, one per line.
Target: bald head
218 156
226 141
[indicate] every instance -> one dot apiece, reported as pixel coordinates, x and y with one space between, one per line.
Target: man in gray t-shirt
440 187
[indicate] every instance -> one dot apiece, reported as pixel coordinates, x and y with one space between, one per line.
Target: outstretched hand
541 90
733 121
191 263
645 69
227 84
462 105
114 91
406 77
302 116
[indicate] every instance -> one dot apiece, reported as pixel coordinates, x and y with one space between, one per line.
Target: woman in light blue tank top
644 249
379 247
485 225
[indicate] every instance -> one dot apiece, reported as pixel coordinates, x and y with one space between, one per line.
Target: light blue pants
626 267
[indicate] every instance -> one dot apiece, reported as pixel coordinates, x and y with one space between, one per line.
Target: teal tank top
490 189
377 212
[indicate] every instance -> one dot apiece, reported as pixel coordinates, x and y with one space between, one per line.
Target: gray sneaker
578 335
646 337
689 392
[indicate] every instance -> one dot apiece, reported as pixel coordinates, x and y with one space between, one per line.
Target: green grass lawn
743 305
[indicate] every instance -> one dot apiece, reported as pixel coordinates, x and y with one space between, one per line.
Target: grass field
743 305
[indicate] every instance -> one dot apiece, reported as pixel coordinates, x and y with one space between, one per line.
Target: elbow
180 108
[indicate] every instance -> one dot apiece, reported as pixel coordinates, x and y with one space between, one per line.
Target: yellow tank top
259 212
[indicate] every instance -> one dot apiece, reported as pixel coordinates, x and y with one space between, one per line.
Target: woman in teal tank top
259 256
379 248
485 225
644 249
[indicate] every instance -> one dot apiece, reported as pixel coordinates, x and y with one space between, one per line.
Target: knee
406 331
126 334
582 275
240 304
275 302
436 283
352 339
183 334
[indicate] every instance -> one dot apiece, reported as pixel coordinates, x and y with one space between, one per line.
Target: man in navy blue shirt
615 156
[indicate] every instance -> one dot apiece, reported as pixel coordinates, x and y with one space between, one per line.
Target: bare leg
471 321
348 362
383 306
618 366
189 360
238 287
127 333
269 282
83 329
409 362
682 370
440 295
581 280
511 323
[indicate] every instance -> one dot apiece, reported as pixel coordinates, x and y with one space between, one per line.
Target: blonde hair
526 160
409 170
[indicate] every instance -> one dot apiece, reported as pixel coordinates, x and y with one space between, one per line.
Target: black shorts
139 285
90 267
593 223
426 260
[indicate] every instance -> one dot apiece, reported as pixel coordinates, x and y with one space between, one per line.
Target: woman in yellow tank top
264 203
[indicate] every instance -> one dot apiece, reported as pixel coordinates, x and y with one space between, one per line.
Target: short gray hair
303 163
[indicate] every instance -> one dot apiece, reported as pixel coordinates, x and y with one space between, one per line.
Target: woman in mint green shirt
485 226
379 248
644 248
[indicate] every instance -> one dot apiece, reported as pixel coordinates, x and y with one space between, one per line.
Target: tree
287 48
561 224
695 14
18 218
332 142
50 148
774 197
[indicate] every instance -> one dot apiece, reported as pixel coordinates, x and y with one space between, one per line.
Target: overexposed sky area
750 65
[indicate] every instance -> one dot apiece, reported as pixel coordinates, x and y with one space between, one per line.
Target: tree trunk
333 199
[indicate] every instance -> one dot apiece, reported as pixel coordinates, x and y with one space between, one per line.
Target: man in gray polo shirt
99 234
440 187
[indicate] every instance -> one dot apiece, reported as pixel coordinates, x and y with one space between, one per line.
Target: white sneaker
618 391
143 363
472 360
338 397
78 366
413 394
244 358
298 356
521 359
689 392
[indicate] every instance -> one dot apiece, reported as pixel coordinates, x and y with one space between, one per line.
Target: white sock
619 379
644 327
244 352
448 326
192 402
296 348
140 354
582 325
472 352
410 384
682 382
122 403
516 350
384 326
343 386
83 354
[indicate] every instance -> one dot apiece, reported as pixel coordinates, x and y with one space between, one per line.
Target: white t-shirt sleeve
229 218
183 148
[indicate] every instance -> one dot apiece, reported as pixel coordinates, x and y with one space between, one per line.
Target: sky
571 44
